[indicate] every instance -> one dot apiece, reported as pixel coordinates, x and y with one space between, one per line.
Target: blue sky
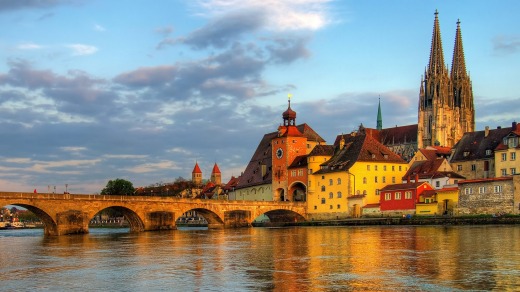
141 90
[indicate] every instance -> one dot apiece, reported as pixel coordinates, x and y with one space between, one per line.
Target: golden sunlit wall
329 199
506 161
370 177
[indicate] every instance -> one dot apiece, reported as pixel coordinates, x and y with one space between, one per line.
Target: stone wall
486 201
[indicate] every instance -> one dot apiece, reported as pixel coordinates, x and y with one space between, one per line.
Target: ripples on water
264 259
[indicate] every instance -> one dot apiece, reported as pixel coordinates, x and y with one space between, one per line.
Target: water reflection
265 259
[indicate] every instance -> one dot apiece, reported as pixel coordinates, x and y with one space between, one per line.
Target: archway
49 225
213 220
281 217
298 192
130 217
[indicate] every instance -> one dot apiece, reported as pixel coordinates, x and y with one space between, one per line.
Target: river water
390 258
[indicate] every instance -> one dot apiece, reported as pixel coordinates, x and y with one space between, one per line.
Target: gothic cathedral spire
445 102
379 117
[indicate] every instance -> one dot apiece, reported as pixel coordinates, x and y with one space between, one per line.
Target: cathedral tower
445 100
196 175
216 175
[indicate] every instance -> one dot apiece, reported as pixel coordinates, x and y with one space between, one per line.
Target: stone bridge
71 213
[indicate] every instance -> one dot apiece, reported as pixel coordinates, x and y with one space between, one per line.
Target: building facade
506 152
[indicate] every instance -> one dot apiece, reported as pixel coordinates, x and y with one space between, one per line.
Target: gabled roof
358 148
322 150
233 181
473 145
429 169
391 136
299 162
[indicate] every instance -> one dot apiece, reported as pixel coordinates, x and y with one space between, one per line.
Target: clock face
279 153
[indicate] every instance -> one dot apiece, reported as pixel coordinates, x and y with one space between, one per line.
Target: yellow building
349 176
438 202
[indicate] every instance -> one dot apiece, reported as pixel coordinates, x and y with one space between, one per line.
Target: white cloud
73 149
124 156
29 46
280 15
98 27
82 50
150 167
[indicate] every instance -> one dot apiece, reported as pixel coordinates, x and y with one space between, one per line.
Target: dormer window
373 156
488 151
466 153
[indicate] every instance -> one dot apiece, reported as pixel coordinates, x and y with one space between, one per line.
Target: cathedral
446 109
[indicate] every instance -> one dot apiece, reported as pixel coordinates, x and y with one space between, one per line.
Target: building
348 180
401 199
489 196
473 156
446 109
430 165
277 169
506 152
438 202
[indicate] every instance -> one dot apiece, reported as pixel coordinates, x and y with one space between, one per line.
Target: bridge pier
71 222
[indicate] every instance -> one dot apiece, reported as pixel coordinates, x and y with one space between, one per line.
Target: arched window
330 182
322 188
323 200
339 195
331 195
339 181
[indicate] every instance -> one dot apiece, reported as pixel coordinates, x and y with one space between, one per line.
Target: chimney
486 131
514 126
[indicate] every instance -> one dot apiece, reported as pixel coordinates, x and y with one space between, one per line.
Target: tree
118 187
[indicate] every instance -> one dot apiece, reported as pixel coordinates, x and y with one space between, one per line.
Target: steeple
216 176
379 117
436 64
289 116
196 174
458 65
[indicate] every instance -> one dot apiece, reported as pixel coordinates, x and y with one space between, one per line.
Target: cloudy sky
141 90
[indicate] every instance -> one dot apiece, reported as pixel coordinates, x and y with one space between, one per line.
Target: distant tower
196 175
445 102
216 175
379 117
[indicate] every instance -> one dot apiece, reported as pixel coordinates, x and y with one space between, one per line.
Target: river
372 258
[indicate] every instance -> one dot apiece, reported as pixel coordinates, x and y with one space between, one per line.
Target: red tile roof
478 180
196 169
215 169
405 186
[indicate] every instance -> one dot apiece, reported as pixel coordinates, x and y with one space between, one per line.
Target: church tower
196 175
379 117
445 100
216 175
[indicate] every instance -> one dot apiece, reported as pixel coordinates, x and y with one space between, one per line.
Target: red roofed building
399 199
216 175
196 174
506 161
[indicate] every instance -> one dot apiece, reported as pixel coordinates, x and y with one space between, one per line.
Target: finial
458 21
436 13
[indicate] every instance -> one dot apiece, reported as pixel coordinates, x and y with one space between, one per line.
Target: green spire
379 117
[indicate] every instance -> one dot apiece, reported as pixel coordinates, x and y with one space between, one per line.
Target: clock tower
288 145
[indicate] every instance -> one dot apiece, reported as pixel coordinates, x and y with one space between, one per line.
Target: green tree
118 187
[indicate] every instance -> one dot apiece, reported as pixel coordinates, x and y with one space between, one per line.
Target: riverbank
475 220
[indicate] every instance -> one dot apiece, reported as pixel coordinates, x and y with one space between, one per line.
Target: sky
141 90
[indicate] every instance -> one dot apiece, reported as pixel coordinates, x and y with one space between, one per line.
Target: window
481 190
331 195
437 184
323 200
513 155
504 171
310 183
322 188
330 206
375 167
384 179
393 179
488 151
398 195
384 167
513 171
407 195
339 206
388 196
339 181
339 195
375 179
459 167
512 142
315 207
466 153
399 167
368 167
497 189
300 172
310 171
473 167
293 172
364 180
393 168
504 156
468 191
330 182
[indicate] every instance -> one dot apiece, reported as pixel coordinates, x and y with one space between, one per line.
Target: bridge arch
50 226
214 220
298 192
283 216
135 222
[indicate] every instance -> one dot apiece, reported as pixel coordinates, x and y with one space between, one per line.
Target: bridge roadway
71 213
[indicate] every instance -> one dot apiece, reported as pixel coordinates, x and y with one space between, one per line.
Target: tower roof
379 116
196 169
458 65
289 114
215 169
436 64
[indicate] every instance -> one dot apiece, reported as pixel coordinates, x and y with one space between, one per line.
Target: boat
17 224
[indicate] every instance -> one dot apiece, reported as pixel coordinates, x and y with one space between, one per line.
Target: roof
252 175
196 169
480 180
473 145
429 194
215 169
299 162
405 186
233 181
367 206
427 169
322 150
358 148
391 136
